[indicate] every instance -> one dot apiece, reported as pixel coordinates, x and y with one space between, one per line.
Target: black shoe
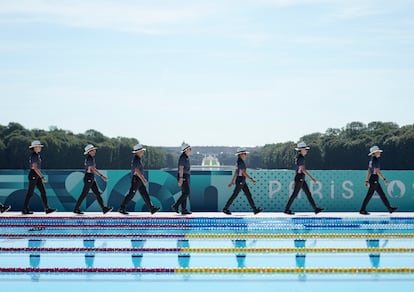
106 209
392 209
27 212
174 208
226 211
123 211
289 212
77 211
50 210
318 210
5 208
257 211
186 212
363 212
155 210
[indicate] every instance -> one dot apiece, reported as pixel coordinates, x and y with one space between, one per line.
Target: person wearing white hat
36 179
239 179
373 175
300 182
183 177
138 182
89 181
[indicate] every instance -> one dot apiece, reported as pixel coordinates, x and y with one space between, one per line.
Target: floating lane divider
39 234
213 270
187 250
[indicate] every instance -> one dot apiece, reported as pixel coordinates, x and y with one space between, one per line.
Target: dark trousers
137 184
374 185
35 181
300 183
241 185
185 193
89 183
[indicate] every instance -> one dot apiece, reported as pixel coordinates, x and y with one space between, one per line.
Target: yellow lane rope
297 250
298 235
295 270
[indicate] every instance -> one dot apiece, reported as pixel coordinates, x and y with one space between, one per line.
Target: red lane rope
87 270
86 249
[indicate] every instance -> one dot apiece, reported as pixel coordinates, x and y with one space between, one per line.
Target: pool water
199 252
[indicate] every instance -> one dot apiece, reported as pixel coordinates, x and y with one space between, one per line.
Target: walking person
36 179
373 174
239 179
183 177
89 181
138 182
300 182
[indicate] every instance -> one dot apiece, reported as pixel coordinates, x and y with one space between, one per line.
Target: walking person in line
36 179
373 174
300 182
239 179
138 182
183 177
89 181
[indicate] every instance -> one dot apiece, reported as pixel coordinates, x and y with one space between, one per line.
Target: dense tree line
344 148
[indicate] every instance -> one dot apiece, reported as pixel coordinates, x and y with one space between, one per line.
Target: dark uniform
35 181
374 185
300 183
137 184
184 161
90 183
241 185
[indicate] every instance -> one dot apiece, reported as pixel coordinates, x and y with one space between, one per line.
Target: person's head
139 150
375 151
302 148
242 153
36 146
186 148
90 150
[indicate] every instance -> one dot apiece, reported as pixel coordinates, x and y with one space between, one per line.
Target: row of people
139 182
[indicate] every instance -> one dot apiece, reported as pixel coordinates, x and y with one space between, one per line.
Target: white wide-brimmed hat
241 150
184 146
302 145
374 149
89 148
138 148
36 143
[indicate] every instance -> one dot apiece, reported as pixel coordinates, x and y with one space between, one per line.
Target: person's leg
131 193
249 197
298 185
32 184
368 196
236 191
185 189
41 188
383 197
305 188
87 183
97 193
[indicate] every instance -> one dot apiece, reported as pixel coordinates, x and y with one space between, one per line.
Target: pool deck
115 214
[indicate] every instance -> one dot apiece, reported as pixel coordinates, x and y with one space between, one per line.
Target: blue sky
212 72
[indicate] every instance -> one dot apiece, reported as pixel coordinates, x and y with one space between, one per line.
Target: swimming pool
243 252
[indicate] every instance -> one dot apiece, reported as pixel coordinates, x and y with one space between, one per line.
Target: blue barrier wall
339 191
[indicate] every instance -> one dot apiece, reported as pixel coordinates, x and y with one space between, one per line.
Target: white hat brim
40 145
241 152
89 150
142 149
306 148
379 150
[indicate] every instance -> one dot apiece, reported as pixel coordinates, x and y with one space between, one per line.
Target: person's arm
233 179
368 176
139 174
38 172
381 175
180 175
307 173
104 178
246 175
